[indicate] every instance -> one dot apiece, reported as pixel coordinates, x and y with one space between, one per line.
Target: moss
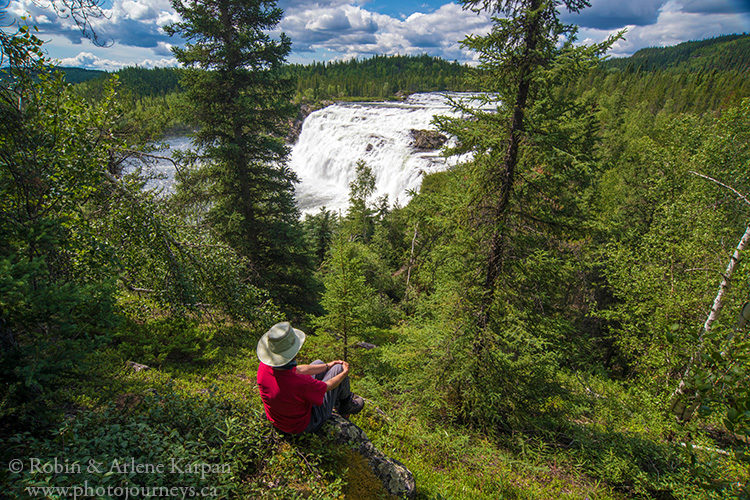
361 481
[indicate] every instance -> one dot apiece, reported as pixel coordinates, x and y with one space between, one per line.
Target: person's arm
334 382
317 368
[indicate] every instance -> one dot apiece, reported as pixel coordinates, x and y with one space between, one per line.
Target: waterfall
334 138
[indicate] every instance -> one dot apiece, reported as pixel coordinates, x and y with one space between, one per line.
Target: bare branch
82 12
739 195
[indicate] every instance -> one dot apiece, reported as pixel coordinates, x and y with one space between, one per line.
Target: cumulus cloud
672 26
337 27
136 23
715 6
606 14
609 15
352 31
90 61
351 28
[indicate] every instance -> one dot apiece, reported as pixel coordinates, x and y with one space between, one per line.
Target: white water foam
334 138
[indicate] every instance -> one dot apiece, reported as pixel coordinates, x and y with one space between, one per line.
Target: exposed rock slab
427 140
396 478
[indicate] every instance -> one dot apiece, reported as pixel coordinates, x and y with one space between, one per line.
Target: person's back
300 398
288 397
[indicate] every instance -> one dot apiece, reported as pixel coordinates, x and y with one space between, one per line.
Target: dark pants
332 398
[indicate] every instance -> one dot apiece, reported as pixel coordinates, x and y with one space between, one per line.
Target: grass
613 441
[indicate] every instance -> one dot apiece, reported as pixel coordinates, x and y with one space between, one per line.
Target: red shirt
288 397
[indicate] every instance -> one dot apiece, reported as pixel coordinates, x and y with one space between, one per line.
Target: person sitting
299 398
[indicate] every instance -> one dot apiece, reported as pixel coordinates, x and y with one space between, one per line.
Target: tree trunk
678 407
685 413
508 169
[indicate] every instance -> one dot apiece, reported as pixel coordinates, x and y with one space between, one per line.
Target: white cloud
672 26
606 14
90 61
351 31
348 28
136 23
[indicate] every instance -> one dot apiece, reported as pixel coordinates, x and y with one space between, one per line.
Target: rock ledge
396 478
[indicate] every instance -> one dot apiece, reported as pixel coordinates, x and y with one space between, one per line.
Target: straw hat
280 344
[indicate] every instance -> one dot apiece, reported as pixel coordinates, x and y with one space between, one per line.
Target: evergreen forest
563 315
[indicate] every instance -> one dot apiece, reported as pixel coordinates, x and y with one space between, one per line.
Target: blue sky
341 29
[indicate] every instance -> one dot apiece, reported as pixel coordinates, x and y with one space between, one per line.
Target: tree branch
739 195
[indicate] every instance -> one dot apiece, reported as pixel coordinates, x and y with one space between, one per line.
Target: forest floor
612 444
607 449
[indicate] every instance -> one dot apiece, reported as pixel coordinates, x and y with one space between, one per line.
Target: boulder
364 345
427 140
396 478
136 367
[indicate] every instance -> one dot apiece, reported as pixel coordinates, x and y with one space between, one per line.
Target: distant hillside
72 75
138 82
149 82
378 76
385 76
79 75
728 52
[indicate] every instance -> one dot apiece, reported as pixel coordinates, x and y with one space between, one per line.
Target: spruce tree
348 298
240 104
526 56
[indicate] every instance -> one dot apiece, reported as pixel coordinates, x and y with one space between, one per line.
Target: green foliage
237 181
57 291
728 52
380 76
359 223
72 225
348 299
162 429
669 230
80 75
173 339
319 230
151 82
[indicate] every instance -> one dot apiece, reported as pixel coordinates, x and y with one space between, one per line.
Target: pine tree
241 103
521 62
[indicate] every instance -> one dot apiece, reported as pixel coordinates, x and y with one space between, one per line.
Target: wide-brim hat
280 344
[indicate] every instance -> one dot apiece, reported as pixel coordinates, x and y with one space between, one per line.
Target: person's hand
331 364
345 367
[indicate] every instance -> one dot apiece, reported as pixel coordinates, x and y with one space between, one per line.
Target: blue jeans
332 398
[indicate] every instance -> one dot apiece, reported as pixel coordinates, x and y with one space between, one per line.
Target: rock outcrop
427 140
396 478
295 126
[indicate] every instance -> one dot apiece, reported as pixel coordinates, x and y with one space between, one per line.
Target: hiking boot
353 404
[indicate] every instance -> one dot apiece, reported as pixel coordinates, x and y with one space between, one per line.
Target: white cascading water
334 138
